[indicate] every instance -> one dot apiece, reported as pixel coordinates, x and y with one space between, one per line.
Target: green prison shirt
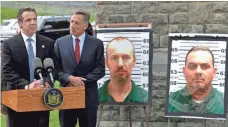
181 101
137 94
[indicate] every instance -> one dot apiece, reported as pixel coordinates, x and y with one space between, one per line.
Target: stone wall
166 17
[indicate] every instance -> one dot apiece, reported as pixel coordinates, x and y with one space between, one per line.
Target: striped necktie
77 50
30 59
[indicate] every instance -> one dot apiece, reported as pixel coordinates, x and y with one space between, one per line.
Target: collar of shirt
133 96
81 43
25 37
184 92
183 101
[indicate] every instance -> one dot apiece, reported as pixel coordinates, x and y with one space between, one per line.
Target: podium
33 99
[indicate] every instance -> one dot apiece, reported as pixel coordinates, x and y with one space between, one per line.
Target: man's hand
47 85
76 81
36 84
3 111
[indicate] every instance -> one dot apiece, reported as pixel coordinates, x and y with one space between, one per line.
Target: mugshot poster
196 82
127 78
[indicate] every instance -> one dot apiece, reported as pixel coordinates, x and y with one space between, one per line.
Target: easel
146 117
129 111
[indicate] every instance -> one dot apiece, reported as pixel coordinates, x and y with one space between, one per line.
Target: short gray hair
22 10
200 48
85 14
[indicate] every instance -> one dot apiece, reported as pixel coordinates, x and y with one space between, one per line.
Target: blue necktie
30 59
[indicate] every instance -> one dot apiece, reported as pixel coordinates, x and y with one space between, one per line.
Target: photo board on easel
120 62
196 76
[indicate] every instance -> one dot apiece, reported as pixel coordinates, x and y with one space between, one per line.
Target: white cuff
26 87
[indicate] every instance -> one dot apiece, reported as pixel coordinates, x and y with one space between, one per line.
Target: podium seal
53 98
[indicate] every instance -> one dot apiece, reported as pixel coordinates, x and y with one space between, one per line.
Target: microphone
38 66
49 67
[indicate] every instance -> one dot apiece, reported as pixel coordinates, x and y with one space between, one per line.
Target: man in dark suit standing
17 66
80 63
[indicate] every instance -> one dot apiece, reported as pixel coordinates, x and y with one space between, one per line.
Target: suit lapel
40 46
85 47
22 51
70 48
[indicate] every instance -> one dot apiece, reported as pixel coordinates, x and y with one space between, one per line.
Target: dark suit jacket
91 65
15 67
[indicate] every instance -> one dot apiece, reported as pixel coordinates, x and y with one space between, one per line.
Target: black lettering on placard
177 55
146 40
173 60
145 73
223 61
145 62
174 49
223 50
222 56
99 84
144 68
173 71
144 85
145 51
173 82
222 73
174 77
222 84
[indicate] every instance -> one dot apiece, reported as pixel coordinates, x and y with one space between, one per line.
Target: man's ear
86 26
134 61
106 62
184 70
214 72
19 24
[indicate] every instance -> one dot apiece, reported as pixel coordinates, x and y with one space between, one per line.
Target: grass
54 119
92 17
3 120
54 115
11 13
8 13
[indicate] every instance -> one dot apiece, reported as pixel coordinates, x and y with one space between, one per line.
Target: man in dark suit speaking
17 66
80 61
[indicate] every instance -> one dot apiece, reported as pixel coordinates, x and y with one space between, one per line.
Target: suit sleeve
12 78
99 71
62 76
